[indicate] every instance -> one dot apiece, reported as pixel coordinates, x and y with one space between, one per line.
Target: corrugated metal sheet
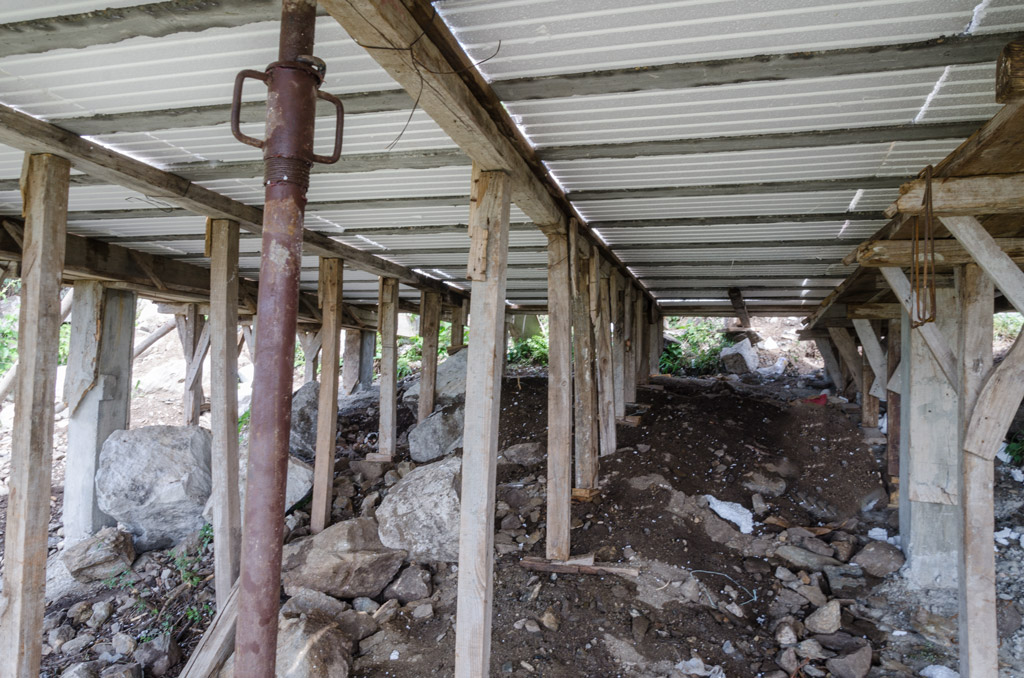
738 254
540 37
854 231
726 205
19 10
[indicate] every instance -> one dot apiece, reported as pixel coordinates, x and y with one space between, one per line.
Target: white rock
939 671
733 512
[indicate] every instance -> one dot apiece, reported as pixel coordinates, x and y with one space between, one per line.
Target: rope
922 269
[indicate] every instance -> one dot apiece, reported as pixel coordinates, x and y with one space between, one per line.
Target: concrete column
930 516
109 316
367 352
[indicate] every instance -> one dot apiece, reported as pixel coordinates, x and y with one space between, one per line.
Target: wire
922 268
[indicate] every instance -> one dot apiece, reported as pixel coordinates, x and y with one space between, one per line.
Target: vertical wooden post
366 357
488 227
227 520
351 362
97 391
643 369
310 340
656 339
458 327
848 355
979 638
331 277
195 341
629 345
832 368
583 362
868 402
894 343
559 397
615 292
606 380
430 324
387 324
45 191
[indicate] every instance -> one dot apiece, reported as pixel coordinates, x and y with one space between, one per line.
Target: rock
879 559
759 505
438 435
106 554
825 619
80 612
939 671
305 601
386 612
371 470
787 660
524 454
357 403
785 634
853 665
771 486
123 644
82 670
302 436
425 611
412 584
841 642
740 358
843 576
158 655
531 626
420 515
58 636
345 560
451 380
812 592
122 671
550 621
100 614
76 645
804 559
307 647
155 480
812 649
1008 620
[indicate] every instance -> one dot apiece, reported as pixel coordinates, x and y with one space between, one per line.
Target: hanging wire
922 269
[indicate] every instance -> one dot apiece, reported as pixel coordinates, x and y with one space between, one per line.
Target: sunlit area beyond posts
636 339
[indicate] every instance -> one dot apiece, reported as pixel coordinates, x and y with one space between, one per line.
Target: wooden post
615 292
387 325
310 341
639 344
736 299
979 638
195 342
868 402
832 368
488 228
656 341
430 324
559 398
606 380
367 355
629 345
643 372
459 312
894 343
351 362
227 520
331 276
583 362
848 354
45 195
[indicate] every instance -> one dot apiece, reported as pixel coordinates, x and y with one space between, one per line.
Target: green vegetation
187 564
700 341
529 351
1006 326
9 333
1015 448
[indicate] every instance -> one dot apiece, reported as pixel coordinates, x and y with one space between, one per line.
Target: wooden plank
993 259
605 378
45 200
190 330
873 311
736 298
217 643
875 357
989 194
310 341
643 347
585 396
615 294
979 639
937 343
227 521
832 368
490 209
848 354
628 343
388 327
430 325
1010 73
656 341
560 398
539 565
894 345
868 402
350 362
327 410
459 312
948 252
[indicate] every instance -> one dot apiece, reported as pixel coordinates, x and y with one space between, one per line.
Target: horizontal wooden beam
966 49
873 311
760 188
948 252
963 196
763 142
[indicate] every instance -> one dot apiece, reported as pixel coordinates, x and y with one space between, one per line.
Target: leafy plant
699 342
529 351
1015 448
8 341
243 422
187 564
1006 326
63 342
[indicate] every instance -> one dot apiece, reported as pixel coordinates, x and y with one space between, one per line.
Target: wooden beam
640 351
227 520
894 342
585 396
868 402
618 316
560 398
489 213
990 255
629 344
1010 73
310 340
936 343
430 325
832 368
979 638
45 197
877 253
753 188
989 194
350 363
327 411
848 354
605 378
217 642
875 357
388 328
736 297
191 330
873 311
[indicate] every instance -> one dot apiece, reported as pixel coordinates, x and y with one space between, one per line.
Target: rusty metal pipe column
292 83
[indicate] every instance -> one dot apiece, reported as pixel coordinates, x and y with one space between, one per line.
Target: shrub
529 351
700 341
1006 326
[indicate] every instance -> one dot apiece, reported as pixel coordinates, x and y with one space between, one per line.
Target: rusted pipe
293 83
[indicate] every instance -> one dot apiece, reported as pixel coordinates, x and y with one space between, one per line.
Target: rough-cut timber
560 410
331 278
430 325
387 312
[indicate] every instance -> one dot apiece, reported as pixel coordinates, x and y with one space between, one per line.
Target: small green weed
1015 448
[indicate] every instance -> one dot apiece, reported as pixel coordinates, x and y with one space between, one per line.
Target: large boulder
106 554
740 358
299 483
346 560
302 437
879 559
438 435
308 646
451 380
155 481
421 512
